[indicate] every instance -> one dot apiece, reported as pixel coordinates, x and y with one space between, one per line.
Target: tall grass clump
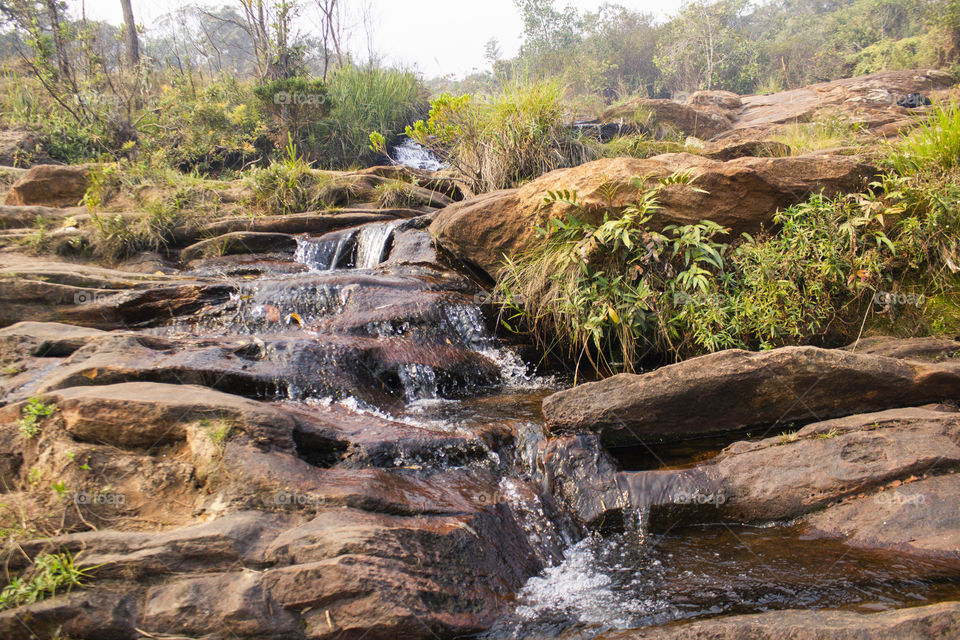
501 140
933 144
829 133
364 100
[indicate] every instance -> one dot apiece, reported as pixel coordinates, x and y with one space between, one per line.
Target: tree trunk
130 34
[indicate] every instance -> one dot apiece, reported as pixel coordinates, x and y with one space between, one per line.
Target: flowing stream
347 287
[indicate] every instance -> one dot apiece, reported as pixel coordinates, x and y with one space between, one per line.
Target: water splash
411 154
328 252
372 243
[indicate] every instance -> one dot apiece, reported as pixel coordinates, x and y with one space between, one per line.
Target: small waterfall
328 252
419 382
372 243
411 154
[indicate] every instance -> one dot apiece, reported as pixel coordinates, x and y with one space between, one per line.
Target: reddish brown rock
51 186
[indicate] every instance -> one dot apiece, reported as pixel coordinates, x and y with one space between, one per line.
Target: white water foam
372 243
411 154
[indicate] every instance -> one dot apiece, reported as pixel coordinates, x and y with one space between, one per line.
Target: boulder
741 194
929 622
860 99
667 116
740 389
793 474
51 186
720 99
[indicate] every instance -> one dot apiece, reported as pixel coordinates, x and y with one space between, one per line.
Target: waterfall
328 252
372 243
410 154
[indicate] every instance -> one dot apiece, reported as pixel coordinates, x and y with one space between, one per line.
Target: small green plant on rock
50 573
31 416
219 431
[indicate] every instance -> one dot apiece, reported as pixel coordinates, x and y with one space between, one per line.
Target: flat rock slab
793 474
239 242
920 518
917 623
732 390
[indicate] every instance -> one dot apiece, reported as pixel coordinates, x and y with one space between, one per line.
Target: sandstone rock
741 389
147 414
101 613
239 242
921 518
18 216
859 99
230 605
722 99
786 476
702 121
51 186
760 149
581 474
314 223
46 339
741 194
40 290
916 623
937 349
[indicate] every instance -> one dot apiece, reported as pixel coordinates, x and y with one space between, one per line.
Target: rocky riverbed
307 426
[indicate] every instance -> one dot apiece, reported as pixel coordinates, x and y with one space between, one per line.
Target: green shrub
505 139
49 574
614 292
291 185
210 127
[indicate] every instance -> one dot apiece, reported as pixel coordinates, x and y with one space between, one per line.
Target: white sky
435 37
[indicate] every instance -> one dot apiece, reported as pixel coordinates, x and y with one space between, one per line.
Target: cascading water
411 154
328 252
372 243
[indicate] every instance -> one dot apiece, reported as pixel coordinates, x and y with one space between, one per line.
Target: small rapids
636 579
411 154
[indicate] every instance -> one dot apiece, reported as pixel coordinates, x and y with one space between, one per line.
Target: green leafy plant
32 415
49 574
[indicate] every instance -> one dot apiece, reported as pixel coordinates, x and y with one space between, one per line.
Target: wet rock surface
741 389
934 621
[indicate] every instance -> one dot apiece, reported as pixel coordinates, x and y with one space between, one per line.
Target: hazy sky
436 37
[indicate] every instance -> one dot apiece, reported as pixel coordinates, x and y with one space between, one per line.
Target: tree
705 48
130 34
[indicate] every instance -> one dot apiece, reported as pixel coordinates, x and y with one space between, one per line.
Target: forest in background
204 88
